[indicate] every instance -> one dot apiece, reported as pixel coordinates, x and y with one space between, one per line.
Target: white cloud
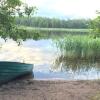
38 3
76 8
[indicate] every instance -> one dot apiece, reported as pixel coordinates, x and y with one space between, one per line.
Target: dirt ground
49 90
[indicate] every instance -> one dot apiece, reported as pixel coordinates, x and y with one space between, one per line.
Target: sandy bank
49 90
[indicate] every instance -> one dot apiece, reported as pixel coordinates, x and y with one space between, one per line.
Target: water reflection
78 69
48 62
31 51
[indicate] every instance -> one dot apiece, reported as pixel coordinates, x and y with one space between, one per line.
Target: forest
45 22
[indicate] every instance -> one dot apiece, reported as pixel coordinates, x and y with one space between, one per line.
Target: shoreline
24 89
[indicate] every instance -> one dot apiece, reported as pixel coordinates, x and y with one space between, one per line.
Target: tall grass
79 47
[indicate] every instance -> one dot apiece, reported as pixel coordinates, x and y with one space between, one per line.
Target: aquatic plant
79 47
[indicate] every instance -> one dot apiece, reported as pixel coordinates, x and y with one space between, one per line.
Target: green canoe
12 70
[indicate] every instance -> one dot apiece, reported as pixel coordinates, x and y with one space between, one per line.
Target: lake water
46 59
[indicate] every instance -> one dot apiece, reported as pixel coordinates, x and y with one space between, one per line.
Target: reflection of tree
22 35
76 65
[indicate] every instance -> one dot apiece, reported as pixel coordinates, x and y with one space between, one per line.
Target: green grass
79 47
57 30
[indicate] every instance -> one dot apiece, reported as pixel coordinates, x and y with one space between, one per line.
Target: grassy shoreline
55 30
79 47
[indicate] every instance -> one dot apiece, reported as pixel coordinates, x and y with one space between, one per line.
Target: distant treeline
44 22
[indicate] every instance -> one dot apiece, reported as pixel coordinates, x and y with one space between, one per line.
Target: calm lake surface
47 61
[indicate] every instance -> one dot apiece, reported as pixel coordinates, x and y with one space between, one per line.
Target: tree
95 25
9 9
20 13
29 10
7 12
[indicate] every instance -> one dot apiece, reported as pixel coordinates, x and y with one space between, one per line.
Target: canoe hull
12 70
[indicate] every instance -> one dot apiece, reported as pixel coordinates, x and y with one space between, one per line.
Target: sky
66 8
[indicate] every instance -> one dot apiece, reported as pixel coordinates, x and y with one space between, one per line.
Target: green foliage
22 35
29 10
44 22
95 25
8 10
13 3
79 47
